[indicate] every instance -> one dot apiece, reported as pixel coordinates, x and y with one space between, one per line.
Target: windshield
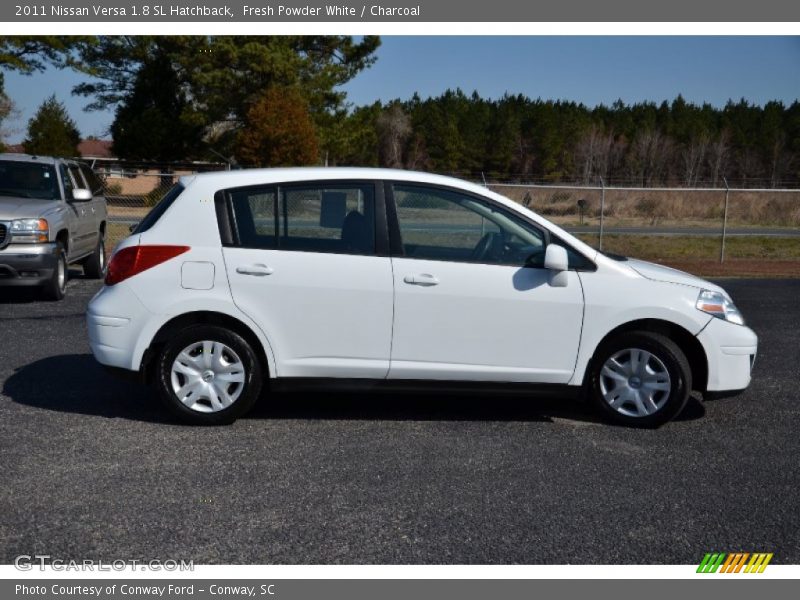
28 180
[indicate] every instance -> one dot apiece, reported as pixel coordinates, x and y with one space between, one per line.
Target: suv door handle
257 270
423 279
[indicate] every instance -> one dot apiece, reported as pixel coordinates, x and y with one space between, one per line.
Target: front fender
612 302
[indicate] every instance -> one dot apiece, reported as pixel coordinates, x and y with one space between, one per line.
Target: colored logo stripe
711 562
734 562
758 563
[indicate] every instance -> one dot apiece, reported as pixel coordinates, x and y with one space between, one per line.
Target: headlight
720 306
29 230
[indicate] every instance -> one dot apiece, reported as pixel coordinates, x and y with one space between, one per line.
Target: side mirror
557 262
81 195
133 227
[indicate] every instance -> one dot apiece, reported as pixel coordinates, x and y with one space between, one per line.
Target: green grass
668 247
114 233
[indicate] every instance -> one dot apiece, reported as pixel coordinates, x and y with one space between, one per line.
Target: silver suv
52 213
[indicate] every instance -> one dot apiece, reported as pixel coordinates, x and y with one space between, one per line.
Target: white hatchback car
237 278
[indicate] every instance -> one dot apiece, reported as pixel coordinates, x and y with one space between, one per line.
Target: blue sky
591 70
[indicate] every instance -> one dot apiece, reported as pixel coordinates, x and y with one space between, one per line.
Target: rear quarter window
159 209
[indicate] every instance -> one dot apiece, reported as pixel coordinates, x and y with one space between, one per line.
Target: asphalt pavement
93 468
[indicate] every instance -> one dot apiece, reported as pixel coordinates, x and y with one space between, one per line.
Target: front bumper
731 352
23 265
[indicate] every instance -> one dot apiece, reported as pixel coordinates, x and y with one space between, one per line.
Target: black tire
671 359
94 266
56 287
247 395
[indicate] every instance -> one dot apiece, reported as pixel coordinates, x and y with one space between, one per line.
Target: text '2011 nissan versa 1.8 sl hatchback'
241 278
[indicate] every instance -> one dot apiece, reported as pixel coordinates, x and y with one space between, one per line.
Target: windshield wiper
18 193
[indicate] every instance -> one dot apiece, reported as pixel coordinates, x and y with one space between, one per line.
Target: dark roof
93 148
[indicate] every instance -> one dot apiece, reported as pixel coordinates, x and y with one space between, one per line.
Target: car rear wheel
94 266
640 379
56 287
208 375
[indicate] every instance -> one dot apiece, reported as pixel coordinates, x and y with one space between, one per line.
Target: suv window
77 177
441 224
68 183
331 217
95 185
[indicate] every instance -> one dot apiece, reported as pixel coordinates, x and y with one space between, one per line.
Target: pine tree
51 131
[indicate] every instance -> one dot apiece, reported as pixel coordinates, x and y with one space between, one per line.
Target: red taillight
135 259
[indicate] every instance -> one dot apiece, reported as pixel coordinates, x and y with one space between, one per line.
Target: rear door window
328 218
334 217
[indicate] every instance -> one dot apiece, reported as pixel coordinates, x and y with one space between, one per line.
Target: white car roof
287 175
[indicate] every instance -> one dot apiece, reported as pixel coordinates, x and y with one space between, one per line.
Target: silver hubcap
635 382
102 256
207 376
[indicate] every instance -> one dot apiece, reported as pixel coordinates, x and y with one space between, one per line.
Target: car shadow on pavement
26 295
435 406
75 383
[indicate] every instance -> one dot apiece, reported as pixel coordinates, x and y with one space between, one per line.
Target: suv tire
56 287
94 266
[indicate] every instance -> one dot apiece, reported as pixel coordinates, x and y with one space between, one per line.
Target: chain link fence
131 193
718 230
709 230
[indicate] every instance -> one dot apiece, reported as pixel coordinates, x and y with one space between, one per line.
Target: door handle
423 279
257 270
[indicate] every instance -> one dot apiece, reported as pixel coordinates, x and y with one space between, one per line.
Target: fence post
602 210
724 222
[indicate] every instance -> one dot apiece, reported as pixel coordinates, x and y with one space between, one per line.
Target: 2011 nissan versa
242 278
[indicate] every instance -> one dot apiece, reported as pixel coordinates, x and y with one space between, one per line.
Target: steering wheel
483 246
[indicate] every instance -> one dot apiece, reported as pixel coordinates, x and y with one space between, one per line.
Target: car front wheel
640 379
208 375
